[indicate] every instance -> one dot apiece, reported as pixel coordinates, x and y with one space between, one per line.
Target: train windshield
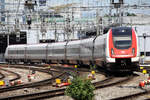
122 38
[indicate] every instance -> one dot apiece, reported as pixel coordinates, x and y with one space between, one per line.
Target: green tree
80 89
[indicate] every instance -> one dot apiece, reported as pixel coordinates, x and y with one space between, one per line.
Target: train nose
122 54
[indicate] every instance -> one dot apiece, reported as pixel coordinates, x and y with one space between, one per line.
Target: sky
100 2
94 2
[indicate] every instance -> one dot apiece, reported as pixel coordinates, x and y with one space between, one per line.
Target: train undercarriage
119 65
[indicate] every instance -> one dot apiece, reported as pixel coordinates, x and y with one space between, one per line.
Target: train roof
121 28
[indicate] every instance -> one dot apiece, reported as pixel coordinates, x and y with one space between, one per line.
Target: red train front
122 46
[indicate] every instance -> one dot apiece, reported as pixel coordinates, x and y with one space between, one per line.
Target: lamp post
144 36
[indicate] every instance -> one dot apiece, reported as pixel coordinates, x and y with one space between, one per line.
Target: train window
20 51
15 51
147 53
122 37
35 52
58 51
12 52
119 38
74 50
121 43
141 53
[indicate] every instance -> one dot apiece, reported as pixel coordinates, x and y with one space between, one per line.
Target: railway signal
33 71
2 83
29 21
142 84
31 77
76 66
6 81
141 68
69 81
91 75
61 84
144 36
49 66
145 82
17 82
144 71
93 72
58 81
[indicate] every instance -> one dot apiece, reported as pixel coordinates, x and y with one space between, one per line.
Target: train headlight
133 50
112 51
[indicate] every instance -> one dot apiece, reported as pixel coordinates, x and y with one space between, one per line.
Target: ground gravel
24 73
108 93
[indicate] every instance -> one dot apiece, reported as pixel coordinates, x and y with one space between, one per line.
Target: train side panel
73 50
86 50
107 54
36 53
15 52
99 49
20 52
136 59
56 51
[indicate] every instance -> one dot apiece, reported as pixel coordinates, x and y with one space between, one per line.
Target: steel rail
58 92
2 76
132 96
17 75
29 85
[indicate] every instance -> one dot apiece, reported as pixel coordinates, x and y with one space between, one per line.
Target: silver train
118 46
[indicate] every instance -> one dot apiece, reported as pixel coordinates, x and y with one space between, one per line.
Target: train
119 46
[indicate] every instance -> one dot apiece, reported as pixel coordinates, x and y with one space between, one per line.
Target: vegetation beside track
80 89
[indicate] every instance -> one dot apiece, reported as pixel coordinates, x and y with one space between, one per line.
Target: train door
73 51
25 54
65 47
86 49
46 54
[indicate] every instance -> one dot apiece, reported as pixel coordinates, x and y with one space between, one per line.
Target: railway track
111 81
42 83
60 92
29 85
2 76
133 96
34 84
16 74
37 96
